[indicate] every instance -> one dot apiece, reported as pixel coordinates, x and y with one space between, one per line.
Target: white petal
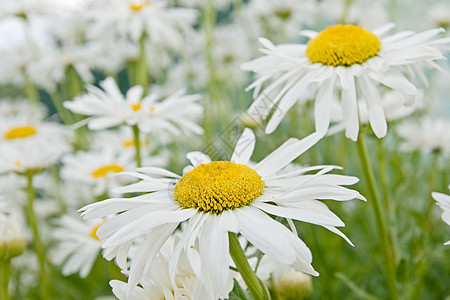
244 147
197 158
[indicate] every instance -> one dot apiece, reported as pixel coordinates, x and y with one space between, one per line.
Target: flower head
443 201
217 197
343 58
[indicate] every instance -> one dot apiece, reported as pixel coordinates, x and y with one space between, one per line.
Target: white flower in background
12 230
131 19
156 282
176 114
440 14
30 128
217 197
443 201
77 245
364 13
30 157
343 58
231 49
92 168
12 189
427 135
108 106
20 43
395 105
280 20
21 107
24 8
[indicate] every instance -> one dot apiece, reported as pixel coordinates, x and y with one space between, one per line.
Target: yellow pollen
17 163
218 186
105 170
20 132
343 45
138 7
94 231
152 109
136 106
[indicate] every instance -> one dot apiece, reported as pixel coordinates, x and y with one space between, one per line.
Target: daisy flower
443 201
108 107
156 283
77 245
428 135
131 19
217 197
93 167
12 231
345 58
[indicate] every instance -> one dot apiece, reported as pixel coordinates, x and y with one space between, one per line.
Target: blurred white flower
427 135
12 230
77 245
443 201
131 19
345 58
92 168
20 107
176 114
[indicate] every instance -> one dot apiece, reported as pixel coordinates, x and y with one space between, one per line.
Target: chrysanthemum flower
427 135
217 197
343 57
92 168
12 230
131 19
77 245
443 201
156 283
108 107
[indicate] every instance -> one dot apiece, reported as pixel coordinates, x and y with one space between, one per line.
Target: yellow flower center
105 170
343 45
94 231
20 132
152 109
136 106
139 6
218 186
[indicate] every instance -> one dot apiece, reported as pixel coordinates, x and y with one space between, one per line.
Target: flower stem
31 91
137 145
254 284
5 272
37 242
141 66
383 231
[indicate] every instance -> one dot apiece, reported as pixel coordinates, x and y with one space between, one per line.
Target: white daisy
12 230
156 283
443 201
427 135
131 19
217 197
77 245
346 57
93 167
176 114
15 107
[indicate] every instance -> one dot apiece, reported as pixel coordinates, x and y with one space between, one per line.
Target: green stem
254 284
64 114
383 180
37 242
31 91
431 182
5 273
137 145
74 82
142 77
383 231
